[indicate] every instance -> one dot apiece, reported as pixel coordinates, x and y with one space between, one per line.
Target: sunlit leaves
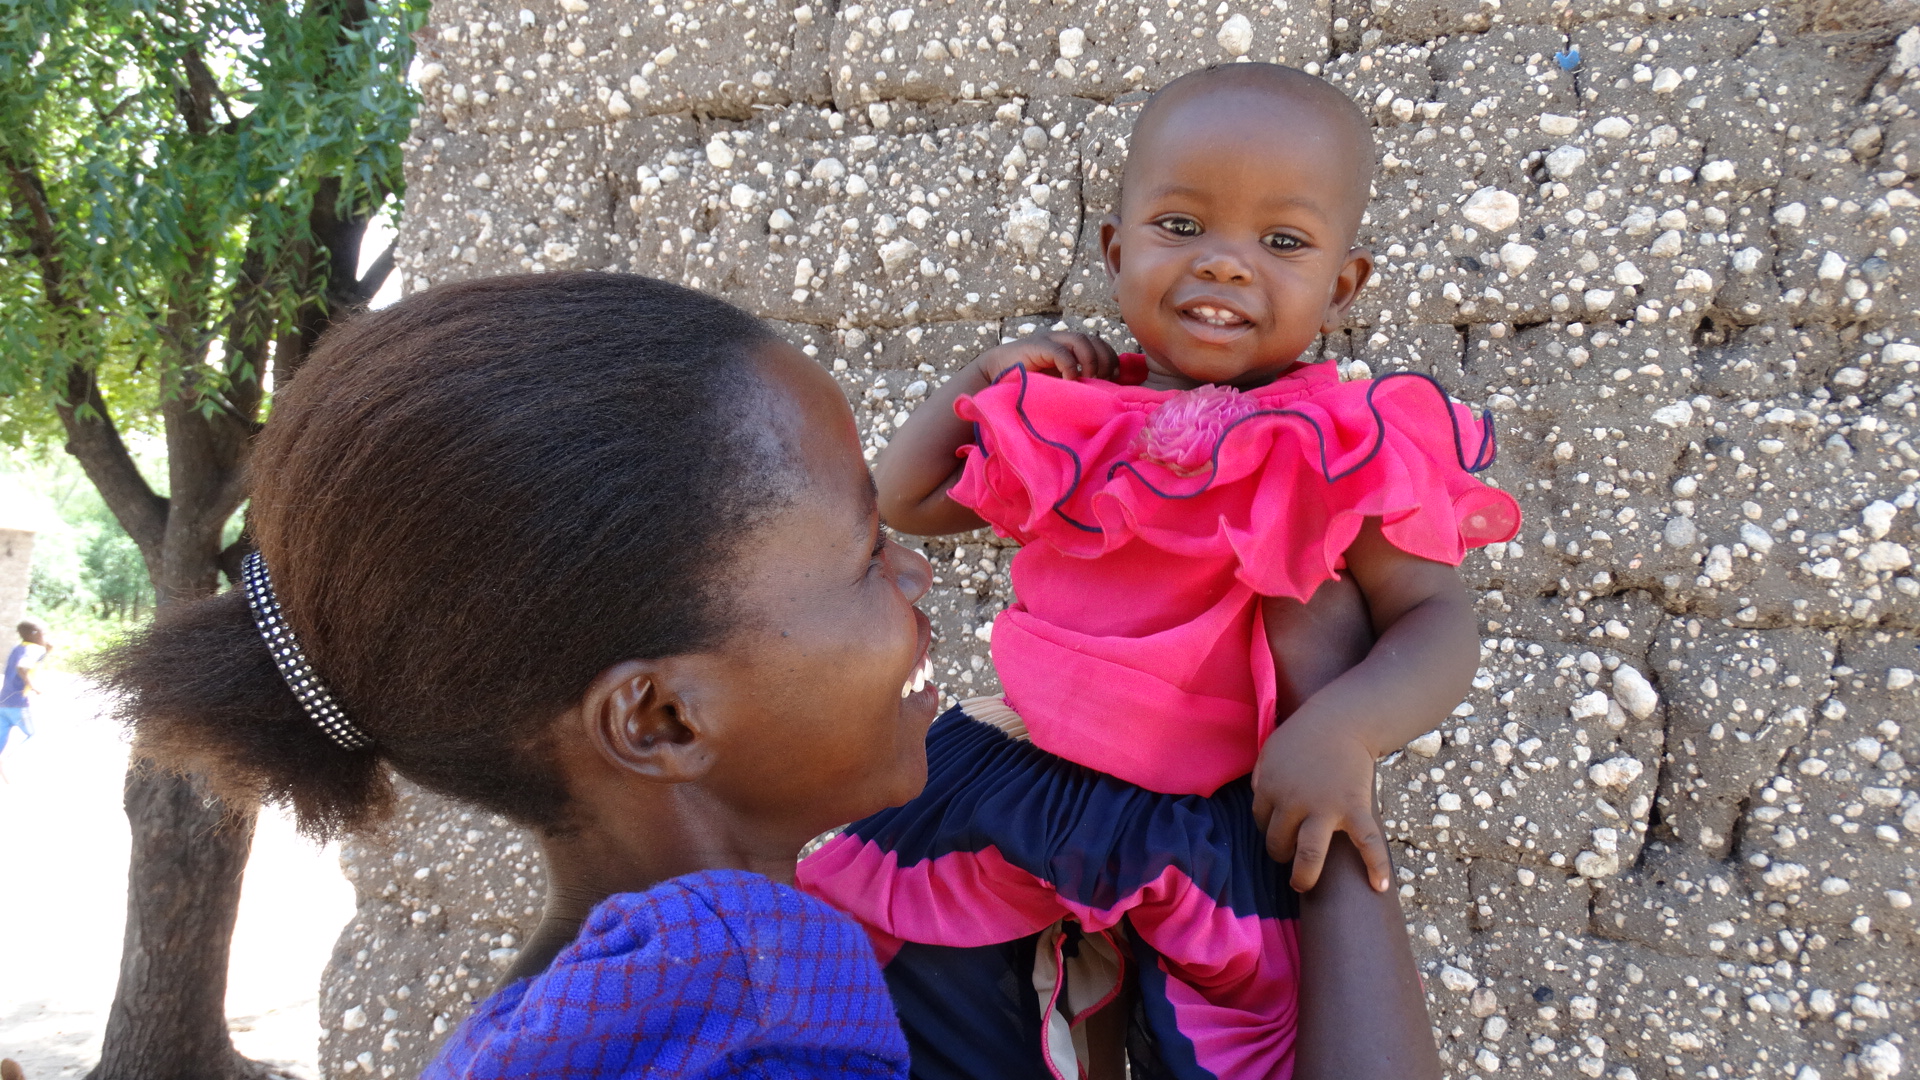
159 160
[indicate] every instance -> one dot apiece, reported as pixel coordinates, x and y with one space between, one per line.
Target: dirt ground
63 857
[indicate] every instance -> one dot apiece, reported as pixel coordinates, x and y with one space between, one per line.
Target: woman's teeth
1215 316
922 675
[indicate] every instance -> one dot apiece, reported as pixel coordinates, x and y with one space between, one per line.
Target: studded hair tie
292 661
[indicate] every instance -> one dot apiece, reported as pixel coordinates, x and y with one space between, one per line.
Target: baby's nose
1224 266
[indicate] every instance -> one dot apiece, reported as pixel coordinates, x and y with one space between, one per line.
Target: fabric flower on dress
1183 433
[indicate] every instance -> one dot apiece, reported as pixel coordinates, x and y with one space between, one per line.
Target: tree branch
336 232
93 441
91 436
377 274
232 554
195 100
249 334
109 116
43 235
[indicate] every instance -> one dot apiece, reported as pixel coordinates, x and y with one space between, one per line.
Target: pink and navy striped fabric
722 973
1007 840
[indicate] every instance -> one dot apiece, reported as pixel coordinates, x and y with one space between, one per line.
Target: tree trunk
169 1018
189 852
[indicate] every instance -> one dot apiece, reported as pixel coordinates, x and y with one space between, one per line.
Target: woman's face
818 731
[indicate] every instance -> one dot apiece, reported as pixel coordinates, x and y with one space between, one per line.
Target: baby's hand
1068 355
1313 780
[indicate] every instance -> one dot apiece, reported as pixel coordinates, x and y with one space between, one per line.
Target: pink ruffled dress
1153 522
1107 793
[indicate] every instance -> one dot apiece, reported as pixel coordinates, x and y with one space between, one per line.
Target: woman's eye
1181 226
1283 242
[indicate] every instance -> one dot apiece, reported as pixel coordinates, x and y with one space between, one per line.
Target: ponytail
202 695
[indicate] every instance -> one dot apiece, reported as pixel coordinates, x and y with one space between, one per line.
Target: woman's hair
471 503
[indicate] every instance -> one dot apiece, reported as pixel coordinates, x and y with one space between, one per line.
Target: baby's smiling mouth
1215 316
1213 323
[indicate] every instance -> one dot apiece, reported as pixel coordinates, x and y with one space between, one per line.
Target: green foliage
160 161
89 568
89 582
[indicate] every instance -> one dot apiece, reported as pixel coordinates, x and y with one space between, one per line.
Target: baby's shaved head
1323 119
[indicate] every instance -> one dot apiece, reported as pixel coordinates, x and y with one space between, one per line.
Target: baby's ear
1110 244
1353 277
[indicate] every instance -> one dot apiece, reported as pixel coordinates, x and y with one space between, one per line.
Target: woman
600 554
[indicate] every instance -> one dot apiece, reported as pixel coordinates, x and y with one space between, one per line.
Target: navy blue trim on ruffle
1020 409
1483 458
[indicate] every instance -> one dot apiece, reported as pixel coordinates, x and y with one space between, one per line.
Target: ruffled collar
1182 433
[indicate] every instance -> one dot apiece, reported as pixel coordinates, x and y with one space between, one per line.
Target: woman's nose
911 571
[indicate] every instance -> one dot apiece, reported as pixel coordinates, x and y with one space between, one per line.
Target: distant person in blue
600 554
16 704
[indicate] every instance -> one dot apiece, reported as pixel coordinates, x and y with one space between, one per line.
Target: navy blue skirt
1010 898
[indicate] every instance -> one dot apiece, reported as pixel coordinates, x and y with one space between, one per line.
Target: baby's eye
1282 242
1180 226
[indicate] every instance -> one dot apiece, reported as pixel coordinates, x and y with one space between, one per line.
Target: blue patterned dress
716 974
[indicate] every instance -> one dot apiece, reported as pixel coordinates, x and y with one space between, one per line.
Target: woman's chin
912 779
919 708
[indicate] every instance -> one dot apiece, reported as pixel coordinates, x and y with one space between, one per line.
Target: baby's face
1232 249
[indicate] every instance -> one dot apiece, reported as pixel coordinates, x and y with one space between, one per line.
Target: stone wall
1673 830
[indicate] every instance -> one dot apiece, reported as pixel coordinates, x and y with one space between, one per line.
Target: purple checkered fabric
716 974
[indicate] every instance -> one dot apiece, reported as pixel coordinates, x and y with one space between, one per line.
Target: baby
1237 590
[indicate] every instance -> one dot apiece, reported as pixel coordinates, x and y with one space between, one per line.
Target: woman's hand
1314 778
1071 356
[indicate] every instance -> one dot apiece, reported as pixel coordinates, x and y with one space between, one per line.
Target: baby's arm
1315 774
918 468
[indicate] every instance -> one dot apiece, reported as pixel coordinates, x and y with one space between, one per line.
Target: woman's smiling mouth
921 676
920 679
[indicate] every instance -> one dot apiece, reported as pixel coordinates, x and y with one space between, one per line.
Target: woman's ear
1110 244
1346 288
638 719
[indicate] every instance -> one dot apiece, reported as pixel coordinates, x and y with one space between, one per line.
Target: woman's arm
1315 774
918 468
1362 1011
